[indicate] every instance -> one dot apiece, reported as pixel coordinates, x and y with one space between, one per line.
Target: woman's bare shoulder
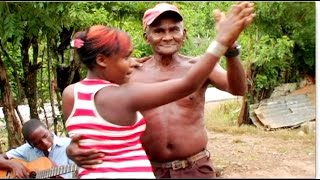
68 91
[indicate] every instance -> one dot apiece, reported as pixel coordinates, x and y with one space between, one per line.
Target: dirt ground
248 156
244 156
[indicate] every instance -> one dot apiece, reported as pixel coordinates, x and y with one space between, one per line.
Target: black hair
29 126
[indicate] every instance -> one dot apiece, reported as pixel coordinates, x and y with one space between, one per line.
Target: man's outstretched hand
230 26
219 16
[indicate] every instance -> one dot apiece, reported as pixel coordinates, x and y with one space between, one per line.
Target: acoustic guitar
40 168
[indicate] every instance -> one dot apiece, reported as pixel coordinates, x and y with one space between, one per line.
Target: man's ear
145 36
185 35
101 60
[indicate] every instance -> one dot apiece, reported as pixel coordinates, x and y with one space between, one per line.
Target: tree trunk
20 96
30 73
243 117
13 125
51 83
244 113
42 98
19 114
66 76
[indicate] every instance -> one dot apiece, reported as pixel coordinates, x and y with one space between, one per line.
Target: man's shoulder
23 146
189 59
23 149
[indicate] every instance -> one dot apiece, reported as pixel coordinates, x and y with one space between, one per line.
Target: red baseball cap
151 14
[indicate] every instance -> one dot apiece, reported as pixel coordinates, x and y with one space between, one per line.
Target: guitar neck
43 174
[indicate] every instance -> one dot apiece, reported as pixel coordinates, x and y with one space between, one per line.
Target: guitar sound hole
33 175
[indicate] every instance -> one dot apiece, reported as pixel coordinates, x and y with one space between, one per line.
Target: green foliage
296 20
272 64
280 44
279 47
123 15
200 25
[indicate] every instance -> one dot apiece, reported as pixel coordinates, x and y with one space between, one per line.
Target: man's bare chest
152 75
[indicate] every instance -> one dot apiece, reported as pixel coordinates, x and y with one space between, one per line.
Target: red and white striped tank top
124 155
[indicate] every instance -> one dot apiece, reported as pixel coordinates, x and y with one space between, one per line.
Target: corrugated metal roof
283 111
255 120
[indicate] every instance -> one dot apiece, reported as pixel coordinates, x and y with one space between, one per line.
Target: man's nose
46 142
167 36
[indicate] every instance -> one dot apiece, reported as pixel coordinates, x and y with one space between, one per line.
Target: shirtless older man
175 138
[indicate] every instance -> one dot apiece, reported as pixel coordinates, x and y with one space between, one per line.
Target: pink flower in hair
77 43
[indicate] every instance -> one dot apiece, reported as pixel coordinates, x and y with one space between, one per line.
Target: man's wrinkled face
165 35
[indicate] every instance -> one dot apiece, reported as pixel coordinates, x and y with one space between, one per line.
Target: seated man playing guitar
43 150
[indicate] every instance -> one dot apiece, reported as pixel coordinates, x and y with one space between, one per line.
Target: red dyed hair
99 39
